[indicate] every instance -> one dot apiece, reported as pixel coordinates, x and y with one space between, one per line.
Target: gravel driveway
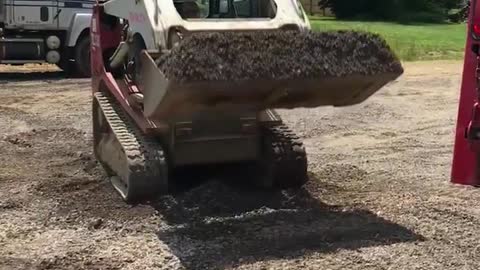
379 197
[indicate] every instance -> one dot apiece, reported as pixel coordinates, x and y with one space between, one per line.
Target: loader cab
225 9
192 9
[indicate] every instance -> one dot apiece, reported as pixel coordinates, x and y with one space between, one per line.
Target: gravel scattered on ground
379 197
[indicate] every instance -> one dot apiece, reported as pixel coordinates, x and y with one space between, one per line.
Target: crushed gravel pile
278 55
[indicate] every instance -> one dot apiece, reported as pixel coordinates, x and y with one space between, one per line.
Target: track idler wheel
284 160
134 162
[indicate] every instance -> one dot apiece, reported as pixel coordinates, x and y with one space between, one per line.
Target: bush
403 10
424 17
344 9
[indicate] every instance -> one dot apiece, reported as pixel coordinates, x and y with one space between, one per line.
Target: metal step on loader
148 123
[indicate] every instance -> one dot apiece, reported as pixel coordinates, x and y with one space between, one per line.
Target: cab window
215 9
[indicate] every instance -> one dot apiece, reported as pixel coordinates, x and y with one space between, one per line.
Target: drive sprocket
284 160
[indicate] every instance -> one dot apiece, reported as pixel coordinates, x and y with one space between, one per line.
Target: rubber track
288 156
147 166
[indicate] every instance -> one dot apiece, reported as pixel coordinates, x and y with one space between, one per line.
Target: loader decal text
95 36
135 17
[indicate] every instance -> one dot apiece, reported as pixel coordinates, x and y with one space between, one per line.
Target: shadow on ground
216 226
210 224
206 224
29 76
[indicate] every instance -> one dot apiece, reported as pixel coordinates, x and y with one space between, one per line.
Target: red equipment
466 158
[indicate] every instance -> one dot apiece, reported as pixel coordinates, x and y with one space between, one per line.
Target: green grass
410 42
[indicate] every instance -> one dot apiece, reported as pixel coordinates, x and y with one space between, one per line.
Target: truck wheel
82 57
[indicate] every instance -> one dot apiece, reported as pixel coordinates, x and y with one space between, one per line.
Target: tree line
398 10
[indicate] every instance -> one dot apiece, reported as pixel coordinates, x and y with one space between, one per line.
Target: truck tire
82 57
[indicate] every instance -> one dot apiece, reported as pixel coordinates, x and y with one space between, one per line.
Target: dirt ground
379 197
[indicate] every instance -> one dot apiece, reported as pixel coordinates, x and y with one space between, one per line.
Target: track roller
284 159
135 163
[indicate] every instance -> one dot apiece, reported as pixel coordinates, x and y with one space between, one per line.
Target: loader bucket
166 99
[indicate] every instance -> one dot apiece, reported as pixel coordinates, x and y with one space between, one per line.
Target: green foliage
410 42
424 17
399 10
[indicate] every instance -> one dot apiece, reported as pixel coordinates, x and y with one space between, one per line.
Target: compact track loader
147 125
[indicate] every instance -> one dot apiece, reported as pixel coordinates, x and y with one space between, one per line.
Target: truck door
35 13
